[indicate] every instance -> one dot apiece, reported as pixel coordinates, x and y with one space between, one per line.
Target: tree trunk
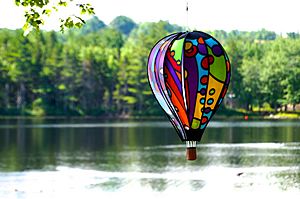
110 96
6 96
276 107
294 107
140 104
250 108
21 96
247 106
285 107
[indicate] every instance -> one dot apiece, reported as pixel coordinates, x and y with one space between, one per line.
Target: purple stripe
228 78
156 79
190 65
174 75
202 49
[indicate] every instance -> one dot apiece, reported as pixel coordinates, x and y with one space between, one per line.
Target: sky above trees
276 15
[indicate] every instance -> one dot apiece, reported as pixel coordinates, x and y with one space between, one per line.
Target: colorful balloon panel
189 76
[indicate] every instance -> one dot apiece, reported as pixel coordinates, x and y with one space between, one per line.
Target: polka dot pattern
189 75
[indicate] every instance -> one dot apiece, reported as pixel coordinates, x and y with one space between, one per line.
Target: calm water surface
92 158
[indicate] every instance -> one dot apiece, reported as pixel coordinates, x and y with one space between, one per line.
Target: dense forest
102 69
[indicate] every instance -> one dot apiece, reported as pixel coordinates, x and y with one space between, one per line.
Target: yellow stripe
213 84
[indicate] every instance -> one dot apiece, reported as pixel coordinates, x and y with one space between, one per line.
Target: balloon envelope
189 74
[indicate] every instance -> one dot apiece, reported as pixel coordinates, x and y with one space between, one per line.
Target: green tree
291 71
272 74
92 25
49 74
113 42
6 69
123 24
133 93
105 71
293 35
250 71
265 35
234 46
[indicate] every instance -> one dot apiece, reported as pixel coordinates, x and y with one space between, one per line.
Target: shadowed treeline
102 69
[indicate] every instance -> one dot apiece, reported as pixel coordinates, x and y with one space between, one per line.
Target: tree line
102 69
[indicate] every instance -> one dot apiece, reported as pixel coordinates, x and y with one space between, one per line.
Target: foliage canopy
101 69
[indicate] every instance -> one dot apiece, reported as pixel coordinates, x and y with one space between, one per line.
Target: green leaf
130 99
62 87
62 3
46 12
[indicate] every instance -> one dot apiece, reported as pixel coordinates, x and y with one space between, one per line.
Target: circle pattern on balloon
204 79
207 110
197 67
212 91
191 52
202 100
203 91
204 120
210 101
217 50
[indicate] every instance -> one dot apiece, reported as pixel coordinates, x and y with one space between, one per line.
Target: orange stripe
181 110
170 81
178 75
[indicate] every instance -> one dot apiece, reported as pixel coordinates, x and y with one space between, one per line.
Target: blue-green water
92 158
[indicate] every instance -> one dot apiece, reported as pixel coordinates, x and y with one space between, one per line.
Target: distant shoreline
250 116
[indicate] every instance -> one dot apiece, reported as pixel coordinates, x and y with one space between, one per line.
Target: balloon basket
191 150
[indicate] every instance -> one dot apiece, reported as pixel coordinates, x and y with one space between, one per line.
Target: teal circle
210 101
202 100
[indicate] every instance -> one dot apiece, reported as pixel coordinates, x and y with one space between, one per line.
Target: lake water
93 158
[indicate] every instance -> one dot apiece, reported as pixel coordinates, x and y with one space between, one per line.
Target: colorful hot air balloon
189 74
